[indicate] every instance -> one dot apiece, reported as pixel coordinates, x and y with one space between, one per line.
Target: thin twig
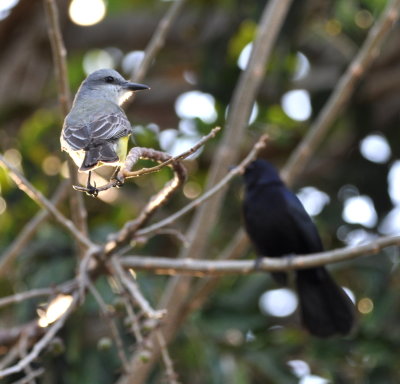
37 196
169 366
29 230
137 153
111 324
123 237
134 291
41 344
158 39
211 192
342 92
28 379
144 171
243 267
23 348
22 296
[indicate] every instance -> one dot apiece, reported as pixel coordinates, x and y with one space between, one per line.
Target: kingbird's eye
109 79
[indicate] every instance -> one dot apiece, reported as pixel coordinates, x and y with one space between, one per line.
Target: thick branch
243 267
341 94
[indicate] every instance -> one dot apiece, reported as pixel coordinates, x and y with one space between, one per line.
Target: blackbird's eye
109 79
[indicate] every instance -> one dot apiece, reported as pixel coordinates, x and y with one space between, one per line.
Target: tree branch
78 210
41 344
342 92
211 192
158 39
193 267
37 196
29 230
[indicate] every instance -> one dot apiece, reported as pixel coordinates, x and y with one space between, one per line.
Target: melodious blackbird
278 225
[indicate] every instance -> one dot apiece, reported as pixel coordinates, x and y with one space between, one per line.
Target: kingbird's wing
104 128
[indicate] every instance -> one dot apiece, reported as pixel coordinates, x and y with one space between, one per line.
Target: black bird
278 225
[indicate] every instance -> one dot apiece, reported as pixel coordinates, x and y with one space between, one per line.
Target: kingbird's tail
104 153
326 309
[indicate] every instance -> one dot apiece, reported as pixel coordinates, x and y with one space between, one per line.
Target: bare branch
211 192
342 92
243 267
29 378
78 210
22 296
158 39
59 55
144 171
37 196
29 230
111 325
41 344
137 153
169 367
134 291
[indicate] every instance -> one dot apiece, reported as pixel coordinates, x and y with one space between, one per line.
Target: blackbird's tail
326 309
104 153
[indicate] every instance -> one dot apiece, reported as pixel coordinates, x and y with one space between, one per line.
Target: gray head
108 84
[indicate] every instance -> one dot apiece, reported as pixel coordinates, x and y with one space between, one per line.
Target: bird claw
91 190
118 178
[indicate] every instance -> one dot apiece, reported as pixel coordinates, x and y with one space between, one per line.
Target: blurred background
248 331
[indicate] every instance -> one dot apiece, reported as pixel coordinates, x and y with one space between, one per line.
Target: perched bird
96 130
278 225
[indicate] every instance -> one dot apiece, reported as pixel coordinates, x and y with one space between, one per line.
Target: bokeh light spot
97 59
244 56
191 190
394 182
132 60
297 105
375 148
313 200
302 67
51 165
360 210
87 12
363 19
196 104
6 6
365 305
280 302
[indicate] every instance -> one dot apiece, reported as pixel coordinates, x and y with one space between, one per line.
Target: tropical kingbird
96 130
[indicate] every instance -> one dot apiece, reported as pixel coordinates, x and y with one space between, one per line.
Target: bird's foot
118 178
91 190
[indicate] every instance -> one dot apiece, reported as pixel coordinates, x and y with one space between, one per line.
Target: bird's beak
134 86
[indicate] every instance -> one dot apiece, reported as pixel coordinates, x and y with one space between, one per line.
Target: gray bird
96 130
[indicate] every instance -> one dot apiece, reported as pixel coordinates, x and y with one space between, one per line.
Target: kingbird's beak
134 86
